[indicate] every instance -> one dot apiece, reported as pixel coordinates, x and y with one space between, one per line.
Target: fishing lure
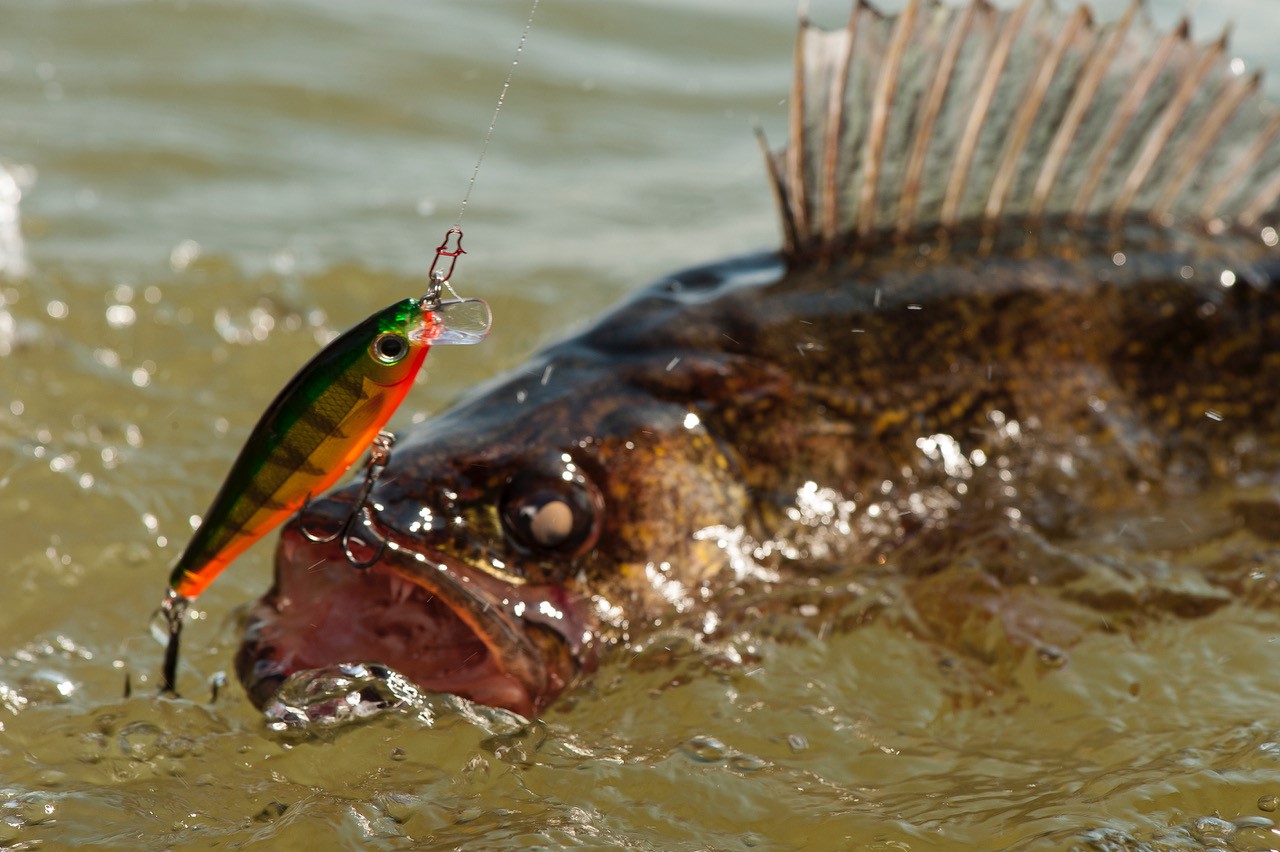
318 425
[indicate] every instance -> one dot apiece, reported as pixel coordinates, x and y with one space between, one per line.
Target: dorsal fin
946 115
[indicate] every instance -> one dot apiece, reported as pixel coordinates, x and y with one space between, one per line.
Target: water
210 189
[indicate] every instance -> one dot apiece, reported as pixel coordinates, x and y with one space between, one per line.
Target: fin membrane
942 115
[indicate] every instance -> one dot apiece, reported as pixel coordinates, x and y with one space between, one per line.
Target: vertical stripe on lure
319 425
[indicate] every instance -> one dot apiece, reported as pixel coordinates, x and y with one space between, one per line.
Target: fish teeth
401 589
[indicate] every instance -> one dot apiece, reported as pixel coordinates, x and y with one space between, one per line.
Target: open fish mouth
429 618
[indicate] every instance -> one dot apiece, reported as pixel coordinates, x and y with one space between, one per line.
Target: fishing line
502 97
451 246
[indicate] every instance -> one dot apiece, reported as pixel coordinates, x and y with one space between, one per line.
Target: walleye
1026 284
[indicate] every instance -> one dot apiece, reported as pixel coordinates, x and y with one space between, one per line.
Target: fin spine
1261 203
1211 127
1124 116
885 88
1161 133
795 150
835 130
1246 164
773 167
977 118
913 175
1086 91
1032 100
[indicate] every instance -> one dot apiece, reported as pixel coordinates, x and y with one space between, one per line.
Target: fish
1026 292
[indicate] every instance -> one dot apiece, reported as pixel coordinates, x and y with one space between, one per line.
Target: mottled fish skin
795 414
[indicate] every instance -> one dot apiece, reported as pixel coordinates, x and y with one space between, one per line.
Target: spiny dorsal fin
943 115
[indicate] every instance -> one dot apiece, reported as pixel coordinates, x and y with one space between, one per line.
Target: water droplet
140 740
704 749
797 742
1212 828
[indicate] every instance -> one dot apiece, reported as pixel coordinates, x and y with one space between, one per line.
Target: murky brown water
210 188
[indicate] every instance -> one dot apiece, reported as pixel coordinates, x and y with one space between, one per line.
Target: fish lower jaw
271 655
331 614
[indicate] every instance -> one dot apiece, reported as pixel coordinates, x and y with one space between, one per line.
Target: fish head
524 530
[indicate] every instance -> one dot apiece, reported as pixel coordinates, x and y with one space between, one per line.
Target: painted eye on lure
389 348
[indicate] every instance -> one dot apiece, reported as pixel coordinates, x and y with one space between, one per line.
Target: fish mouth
445 627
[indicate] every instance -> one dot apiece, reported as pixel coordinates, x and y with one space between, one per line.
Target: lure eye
550 516
389 348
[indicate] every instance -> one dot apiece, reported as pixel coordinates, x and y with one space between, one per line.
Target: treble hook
379 455
439 277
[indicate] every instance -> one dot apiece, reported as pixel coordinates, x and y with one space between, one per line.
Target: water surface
205 191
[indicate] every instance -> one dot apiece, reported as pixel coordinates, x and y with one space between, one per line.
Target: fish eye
389 348
549 516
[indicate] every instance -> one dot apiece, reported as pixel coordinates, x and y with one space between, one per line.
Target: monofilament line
502 96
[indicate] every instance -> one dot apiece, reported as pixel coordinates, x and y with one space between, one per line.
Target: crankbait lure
318 426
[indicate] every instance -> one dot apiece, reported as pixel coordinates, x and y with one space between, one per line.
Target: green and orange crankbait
323 420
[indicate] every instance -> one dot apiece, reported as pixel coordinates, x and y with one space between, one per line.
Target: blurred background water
195 194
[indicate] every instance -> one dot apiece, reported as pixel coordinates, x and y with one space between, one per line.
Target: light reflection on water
208 189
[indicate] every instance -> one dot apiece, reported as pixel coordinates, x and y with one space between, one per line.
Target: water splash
336 696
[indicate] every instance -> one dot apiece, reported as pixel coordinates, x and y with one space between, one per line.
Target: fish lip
528 664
